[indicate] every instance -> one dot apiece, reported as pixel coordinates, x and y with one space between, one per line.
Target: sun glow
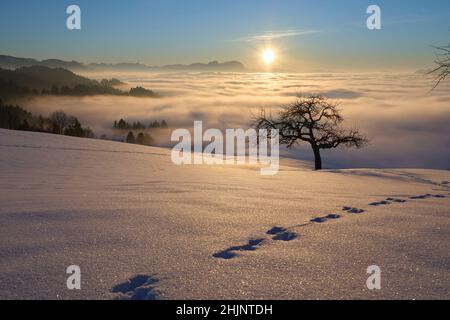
269 56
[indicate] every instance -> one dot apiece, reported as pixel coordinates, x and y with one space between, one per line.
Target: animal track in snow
427 196
353 210
276 230
140 287
423 196
379 203
278 233
285 236
325 219
226 254
282 234
396 200
319 220
231 252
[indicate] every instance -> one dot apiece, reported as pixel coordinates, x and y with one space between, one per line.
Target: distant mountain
211 66
56 63
9 62
118 66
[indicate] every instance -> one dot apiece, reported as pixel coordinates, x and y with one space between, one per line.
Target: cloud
407 125
272 35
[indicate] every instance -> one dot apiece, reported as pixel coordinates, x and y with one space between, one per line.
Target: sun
269 56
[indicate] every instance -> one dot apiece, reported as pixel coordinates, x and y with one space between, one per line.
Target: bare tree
442 62
313 120
60 121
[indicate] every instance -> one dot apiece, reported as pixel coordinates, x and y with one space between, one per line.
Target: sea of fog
409 125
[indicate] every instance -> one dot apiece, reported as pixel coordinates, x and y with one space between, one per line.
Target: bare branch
311 119
442 69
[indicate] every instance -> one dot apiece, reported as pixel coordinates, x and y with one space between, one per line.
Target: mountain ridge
11 62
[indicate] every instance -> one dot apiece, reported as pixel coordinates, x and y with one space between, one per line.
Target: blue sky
320 34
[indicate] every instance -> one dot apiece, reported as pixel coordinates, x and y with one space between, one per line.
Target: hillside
9 62
37 80
37 77
120 210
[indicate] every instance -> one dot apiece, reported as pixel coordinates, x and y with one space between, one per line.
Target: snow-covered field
201 232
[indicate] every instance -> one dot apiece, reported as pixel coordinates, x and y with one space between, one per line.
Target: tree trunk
317 159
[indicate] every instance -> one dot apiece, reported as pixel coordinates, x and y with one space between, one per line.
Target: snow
140 227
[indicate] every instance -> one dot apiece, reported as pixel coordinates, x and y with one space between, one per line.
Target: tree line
142 137
123 125
90 90
16 118
38 80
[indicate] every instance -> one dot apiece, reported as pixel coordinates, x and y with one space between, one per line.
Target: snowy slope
195 232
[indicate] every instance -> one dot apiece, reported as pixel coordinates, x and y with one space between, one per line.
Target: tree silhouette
74 128
144 139
313 120
122 125
25 126
130 138
60 121
140 139
442 69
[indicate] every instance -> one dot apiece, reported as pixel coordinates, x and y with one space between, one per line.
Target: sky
321 35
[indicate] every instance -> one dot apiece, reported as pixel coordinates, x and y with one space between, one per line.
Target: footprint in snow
285 236
276 230
325 219
231 252
281 234
396 200
427 196
423 196
140 287
379 203
225 255
353 210
278 233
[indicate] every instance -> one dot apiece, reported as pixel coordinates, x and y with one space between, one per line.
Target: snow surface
140 227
